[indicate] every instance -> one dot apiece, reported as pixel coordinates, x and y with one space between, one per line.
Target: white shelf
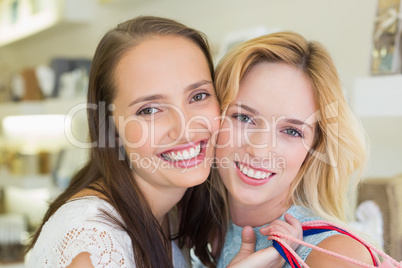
48 106
67 128
377 96
377 101
52 12
27 181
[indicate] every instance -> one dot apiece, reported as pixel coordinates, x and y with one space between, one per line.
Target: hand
247 257
291 227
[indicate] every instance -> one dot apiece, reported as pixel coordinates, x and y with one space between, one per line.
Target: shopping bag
314 227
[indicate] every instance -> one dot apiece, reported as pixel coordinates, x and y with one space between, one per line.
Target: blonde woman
288 143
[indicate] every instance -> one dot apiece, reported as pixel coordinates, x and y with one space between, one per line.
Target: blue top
233 237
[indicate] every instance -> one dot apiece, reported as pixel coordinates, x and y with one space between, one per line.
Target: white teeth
186 155
183 155
192 152
179 156
250 172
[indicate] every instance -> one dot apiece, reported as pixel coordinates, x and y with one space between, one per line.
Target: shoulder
82 260
80 226
302 213
80 210
340 244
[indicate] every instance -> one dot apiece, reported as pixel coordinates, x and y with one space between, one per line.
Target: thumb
246 249
248 241
247 257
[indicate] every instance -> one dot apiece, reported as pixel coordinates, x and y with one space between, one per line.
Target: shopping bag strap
315 227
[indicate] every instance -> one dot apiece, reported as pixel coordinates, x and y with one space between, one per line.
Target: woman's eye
148 111
293 132
243 118
199 97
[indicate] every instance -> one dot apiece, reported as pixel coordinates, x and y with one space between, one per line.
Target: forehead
161 53
278 89
163 63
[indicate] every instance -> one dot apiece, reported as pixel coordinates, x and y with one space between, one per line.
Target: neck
163 200
163 205
256 215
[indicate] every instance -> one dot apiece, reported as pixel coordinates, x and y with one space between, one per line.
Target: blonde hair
339 148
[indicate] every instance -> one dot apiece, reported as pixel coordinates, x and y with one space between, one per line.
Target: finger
292 220
265 230
262 258
276 221
248 241
278 229
296 224
275 225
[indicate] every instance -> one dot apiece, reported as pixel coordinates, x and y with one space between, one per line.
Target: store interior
46 47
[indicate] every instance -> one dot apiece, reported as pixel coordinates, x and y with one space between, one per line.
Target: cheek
207 121
294 158
222 151
223 142
230 135
134 133
215 123
213 116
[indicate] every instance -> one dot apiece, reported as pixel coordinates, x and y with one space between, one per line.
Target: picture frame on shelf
387 38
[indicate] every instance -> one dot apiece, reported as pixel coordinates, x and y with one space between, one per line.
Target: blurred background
46 48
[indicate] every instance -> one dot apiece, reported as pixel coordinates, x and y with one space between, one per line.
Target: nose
176 122
260 143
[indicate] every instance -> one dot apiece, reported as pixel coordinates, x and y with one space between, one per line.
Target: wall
344 27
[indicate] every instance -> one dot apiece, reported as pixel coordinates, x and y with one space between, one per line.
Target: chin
198 179
249 198
190 179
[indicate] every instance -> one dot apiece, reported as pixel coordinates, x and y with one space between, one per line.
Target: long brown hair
112 177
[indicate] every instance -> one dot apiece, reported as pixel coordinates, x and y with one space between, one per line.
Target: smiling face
165 112
265 136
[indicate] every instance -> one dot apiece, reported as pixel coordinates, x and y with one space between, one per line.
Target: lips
182 154
253 176
187 155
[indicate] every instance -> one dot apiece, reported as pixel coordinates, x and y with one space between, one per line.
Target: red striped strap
313 227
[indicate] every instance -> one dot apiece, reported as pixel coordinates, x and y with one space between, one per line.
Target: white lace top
78 226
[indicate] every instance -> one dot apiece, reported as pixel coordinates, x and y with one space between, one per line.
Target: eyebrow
287 120
198 84
297 122
246 107
147 98
161 97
